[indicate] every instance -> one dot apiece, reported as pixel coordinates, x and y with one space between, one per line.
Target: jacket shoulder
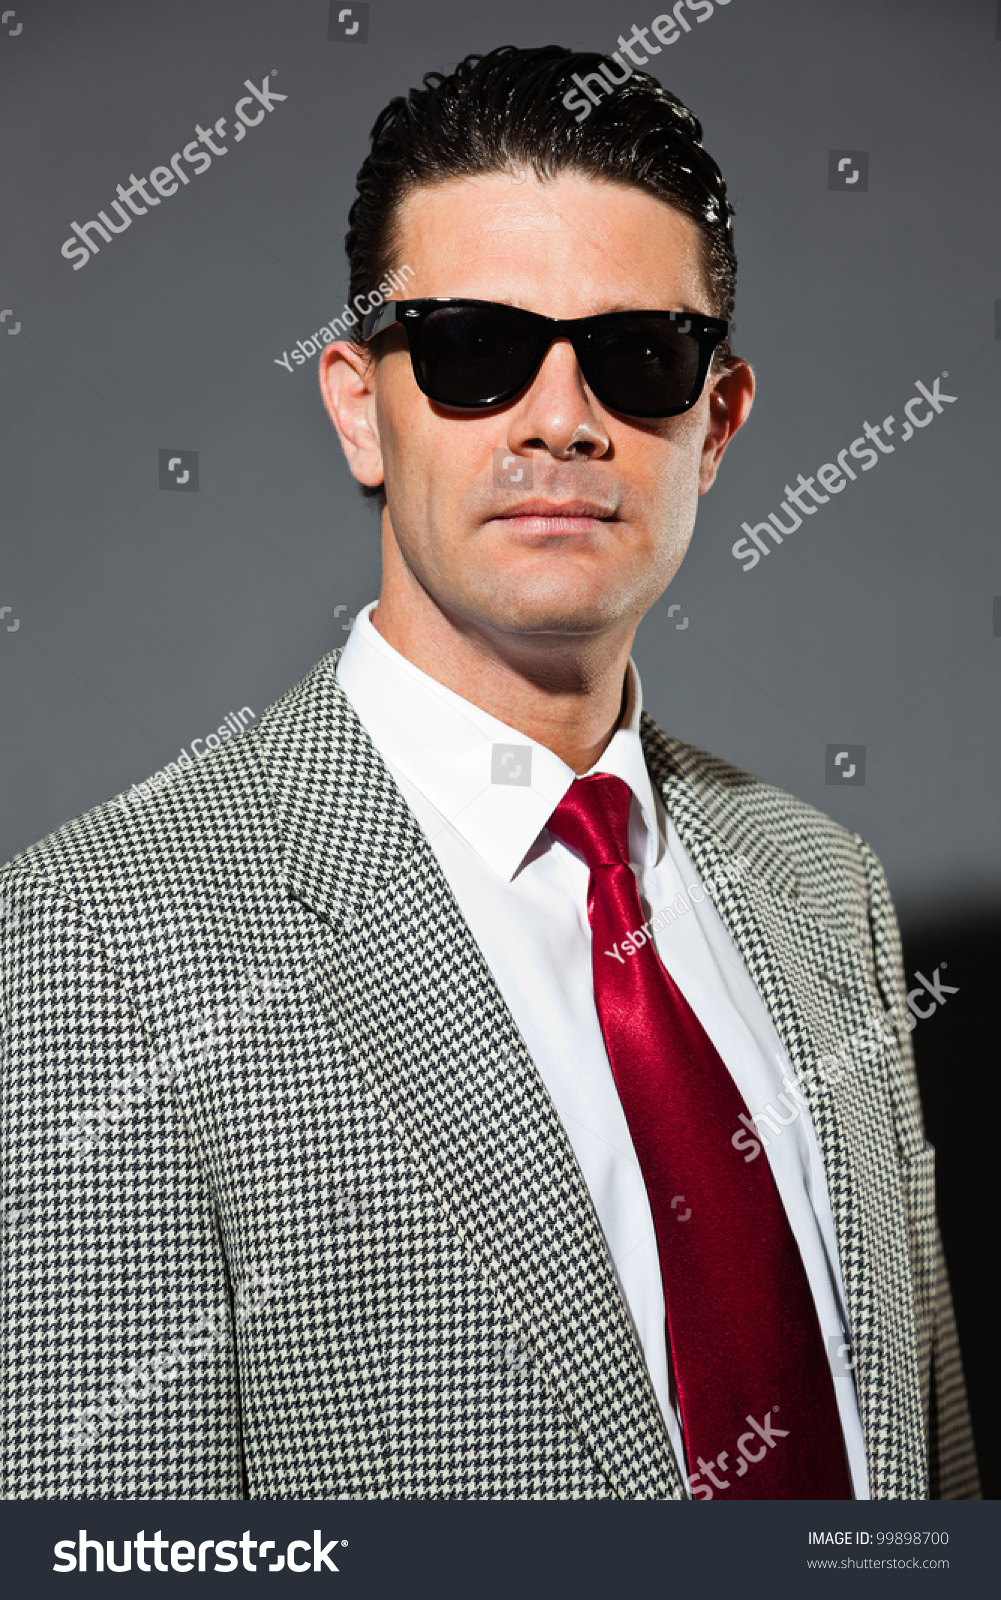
136 844
196 830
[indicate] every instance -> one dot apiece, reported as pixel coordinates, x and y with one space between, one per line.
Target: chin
531 614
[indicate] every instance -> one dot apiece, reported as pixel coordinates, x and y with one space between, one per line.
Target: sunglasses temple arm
381 317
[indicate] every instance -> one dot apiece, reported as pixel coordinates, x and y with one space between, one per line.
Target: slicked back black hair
505 112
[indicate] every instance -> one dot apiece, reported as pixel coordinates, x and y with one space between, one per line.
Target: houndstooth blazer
289 1212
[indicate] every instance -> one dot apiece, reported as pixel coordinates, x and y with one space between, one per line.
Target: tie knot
593 820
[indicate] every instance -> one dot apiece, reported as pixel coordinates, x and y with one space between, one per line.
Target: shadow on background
957 1058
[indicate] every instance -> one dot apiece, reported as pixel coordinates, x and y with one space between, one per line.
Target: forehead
574 246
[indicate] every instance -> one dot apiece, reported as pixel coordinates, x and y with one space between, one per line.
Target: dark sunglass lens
470 355
646 364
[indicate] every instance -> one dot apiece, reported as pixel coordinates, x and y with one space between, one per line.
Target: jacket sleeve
119 1377
952 1462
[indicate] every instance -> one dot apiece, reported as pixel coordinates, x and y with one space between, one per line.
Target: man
393 1101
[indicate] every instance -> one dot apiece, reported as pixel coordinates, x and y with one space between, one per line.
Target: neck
567 693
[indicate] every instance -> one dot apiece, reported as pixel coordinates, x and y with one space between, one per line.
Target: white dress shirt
524 896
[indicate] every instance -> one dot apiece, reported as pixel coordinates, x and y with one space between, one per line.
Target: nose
557 413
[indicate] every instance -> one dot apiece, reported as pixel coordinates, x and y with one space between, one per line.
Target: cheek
670 488
397 404
685 464
662 470
416 443
687 437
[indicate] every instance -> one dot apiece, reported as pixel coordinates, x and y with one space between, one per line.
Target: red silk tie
753 1379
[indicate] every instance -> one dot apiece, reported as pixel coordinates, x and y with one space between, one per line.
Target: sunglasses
473 354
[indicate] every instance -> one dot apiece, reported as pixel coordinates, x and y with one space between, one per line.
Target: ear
731 394
347 384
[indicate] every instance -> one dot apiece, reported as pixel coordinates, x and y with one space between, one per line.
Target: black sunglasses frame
708 332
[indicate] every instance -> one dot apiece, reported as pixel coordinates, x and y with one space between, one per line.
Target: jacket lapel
819 987
421 1014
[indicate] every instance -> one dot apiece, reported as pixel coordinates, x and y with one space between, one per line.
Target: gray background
144 615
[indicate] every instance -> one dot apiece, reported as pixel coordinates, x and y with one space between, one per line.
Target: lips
558 510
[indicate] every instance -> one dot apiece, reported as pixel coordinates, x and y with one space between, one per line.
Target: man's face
499 556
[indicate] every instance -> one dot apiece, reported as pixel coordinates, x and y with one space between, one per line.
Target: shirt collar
496 787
